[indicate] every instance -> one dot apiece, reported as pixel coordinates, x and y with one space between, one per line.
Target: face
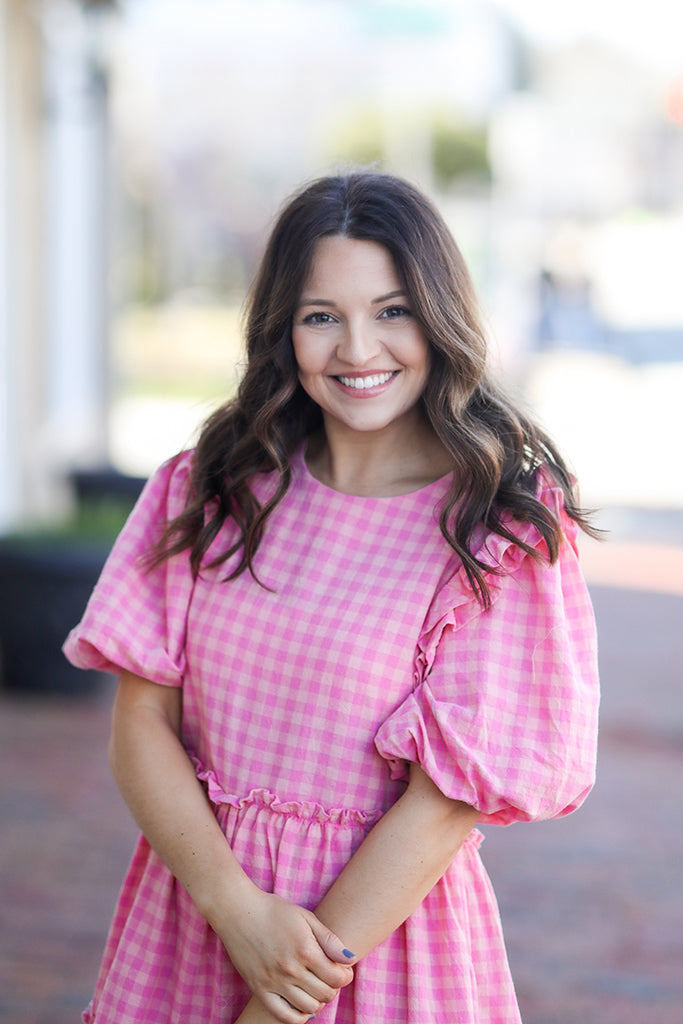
362 355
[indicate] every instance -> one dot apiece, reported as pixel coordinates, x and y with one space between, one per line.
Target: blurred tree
459 151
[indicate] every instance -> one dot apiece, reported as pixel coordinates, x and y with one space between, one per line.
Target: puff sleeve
135 619
503 713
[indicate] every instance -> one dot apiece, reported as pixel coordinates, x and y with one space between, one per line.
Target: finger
302 992
287 1012
319 989
331 945
302 1001
330 973
333 975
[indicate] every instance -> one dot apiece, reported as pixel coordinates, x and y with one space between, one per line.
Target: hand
291 962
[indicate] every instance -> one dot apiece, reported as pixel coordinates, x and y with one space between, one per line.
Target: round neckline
314 482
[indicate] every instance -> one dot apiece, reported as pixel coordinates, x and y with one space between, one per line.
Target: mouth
368 381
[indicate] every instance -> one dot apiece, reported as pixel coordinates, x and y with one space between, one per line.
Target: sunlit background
148 143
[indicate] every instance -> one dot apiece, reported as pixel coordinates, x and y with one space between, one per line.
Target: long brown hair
497 452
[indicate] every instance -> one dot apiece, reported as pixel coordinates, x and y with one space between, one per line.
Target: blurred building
559 170
219 116
52 250
587 166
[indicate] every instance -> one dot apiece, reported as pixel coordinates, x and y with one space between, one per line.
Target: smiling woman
364 359
349 626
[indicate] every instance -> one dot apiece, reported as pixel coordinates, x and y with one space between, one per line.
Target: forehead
341 264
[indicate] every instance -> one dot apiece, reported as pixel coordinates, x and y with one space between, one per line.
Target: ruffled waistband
306 810
303 810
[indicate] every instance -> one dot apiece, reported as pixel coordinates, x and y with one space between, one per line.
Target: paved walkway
592 905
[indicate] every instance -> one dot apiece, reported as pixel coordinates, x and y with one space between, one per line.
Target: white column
9 496
21 260
76 243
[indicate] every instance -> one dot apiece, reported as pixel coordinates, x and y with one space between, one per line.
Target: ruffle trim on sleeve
456 604
455 737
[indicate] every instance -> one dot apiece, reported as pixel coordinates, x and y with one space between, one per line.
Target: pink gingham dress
303 705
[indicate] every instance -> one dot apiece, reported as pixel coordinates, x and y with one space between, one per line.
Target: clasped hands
290 960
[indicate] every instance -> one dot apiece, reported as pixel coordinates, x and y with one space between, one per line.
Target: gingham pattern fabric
302 705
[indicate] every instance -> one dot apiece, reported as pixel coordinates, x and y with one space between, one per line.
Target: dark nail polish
346 952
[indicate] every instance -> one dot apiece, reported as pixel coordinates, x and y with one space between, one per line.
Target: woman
349 627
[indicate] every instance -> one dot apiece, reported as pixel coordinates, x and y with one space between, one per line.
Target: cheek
301 355
310 355
421 353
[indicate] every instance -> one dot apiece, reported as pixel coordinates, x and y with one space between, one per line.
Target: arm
400 861
397 864
282 951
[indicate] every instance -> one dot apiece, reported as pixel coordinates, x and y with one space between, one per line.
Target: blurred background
145 147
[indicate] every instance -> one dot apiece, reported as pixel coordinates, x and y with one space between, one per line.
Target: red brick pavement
592 905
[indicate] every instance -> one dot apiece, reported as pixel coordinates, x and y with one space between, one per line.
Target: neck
379 464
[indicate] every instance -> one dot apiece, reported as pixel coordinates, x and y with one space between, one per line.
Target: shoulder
515 563
175 473
165 494
551 494
177 469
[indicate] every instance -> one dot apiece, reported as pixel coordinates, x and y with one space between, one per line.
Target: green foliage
100 520
95 521
459 151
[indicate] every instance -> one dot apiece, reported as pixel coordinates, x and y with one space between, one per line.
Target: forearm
287 957
159 785
398 863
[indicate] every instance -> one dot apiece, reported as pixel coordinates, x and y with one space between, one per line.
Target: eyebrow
380 298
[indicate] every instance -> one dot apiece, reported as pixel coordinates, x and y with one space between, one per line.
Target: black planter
44 588
92 486
45 583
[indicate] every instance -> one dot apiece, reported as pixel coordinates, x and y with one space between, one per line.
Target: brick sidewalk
591 904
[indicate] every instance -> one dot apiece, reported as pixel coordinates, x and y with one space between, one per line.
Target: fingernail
348 953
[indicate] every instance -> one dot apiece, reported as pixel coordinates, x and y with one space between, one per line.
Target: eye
318 319
394 312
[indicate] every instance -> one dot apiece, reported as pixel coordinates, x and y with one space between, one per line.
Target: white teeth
362 383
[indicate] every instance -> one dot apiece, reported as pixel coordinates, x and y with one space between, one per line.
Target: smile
363 383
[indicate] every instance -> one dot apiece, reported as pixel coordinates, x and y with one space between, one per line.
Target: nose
359 343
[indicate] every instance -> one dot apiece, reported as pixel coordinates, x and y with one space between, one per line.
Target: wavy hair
497 452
